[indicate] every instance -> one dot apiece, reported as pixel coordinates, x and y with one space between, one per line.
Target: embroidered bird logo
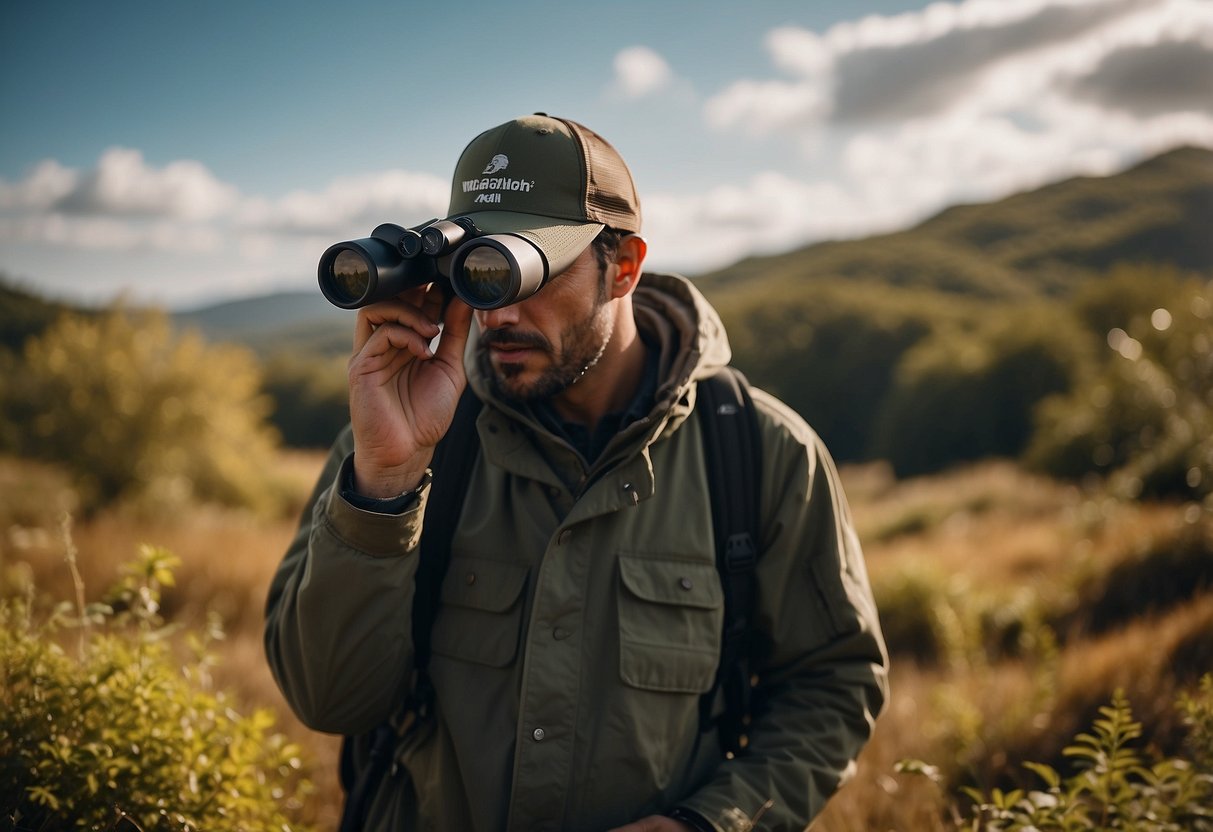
498 162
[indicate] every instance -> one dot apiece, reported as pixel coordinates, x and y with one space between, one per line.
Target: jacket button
685 583
564 537
560 634
470 578
538 734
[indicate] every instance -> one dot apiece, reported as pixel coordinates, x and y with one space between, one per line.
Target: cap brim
561 241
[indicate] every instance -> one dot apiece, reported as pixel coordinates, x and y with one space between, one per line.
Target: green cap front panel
531 165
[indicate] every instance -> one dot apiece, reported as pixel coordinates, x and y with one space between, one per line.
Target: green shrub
941 619
101 728
135 413
310 398
1113 786
1144 419
969 393
828 354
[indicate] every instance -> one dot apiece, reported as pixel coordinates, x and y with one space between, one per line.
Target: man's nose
497 318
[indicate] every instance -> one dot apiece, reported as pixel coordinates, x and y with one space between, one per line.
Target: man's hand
655 823
402 394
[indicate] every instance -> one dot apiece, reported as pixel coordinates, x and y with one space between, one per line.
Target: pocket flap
480 584
672 582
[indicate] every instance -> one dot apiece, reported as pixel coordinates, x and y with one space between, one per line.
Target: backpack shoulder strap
453 459
732 450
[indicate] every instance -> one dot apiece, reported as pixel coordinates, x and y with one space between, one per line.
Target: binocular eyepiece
486 271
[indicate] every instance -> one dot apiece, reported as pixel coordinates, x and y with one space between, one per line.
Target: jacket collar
675 318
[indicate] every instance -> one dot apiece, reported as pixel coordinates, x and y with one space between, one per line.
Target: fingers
390 346
455 327
410 309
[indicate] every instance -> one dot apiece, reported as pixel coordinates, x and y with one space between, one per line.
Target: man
580 617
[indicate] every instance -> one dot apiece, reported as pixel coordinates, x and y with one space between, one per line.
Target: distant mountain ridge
274 322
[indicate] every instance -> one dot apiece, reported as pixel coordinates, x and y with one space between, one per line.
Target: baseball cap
550 180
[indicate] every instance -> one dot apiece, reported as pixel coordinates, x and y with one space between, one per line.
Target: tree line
1112 382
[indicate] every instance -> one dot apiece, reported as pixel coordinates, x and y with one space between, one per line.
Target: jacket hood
675 318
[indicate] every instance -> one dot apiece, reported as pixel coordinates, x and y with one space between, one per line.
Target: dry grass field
1014 606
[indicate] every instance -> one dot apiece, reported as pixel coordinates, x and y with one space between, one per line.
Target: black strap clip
740 554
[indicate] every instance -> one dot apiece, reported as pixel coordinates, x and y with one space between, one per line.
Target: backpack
733 458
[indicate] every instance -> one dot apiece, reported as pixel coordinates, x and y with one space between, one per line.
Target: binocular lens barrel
350 276
497 270
361 272
485 276
486 272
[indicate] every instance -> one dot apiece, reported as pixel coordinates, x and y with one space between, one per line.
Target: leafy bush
968 393
1113 787
829 354
100 728
135 413
310 398
942 619
1144 420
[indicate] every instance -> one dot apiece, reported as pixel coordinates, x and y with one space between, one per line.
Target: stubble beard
583 345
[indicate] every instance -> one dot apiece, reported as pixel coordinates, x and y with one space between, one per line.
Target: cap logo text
496 183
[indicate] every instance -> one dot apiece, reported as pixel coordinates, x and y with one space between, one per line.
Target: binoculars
486 271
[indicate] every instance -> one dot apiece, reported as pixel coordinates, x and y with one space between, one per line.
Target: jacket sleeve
338 626
819 656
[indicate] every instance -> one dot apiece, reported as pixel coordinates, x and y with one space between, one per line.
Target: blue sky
183 152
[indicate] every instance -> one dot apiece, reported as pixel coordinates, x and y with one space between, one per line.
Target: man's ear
629 262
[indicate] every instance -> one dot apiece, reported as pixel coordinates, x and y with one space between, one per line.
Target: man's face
538 348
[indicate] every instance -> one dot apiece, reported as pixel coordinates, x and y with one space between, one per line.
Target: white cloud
763 107
923 64
352 204
123 184
48 183
639 71
125 204
769 213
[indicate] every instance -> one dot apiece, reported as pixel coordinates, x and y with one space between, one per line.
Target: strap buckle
740 554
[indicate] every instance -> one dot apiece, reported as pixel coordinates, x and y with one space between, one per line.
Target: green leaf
1045 772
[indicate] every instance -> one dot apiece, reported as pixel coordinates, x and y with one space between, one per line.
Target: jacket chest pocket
480 616
670 616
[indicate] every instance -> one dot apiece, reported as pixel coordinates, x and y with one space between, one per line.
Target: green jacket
580 620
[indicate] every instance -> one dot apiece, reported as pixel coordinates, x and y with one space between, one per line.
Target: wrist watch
691 818
385 505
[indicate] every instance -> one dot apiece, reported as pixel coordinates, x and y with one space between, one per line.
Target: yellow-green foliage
1114 786
311 398
1145 419
102 728
135 412
967 392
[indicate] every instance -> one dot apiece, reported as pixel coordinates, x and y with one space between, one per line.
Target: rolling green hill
1042 241
269 324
